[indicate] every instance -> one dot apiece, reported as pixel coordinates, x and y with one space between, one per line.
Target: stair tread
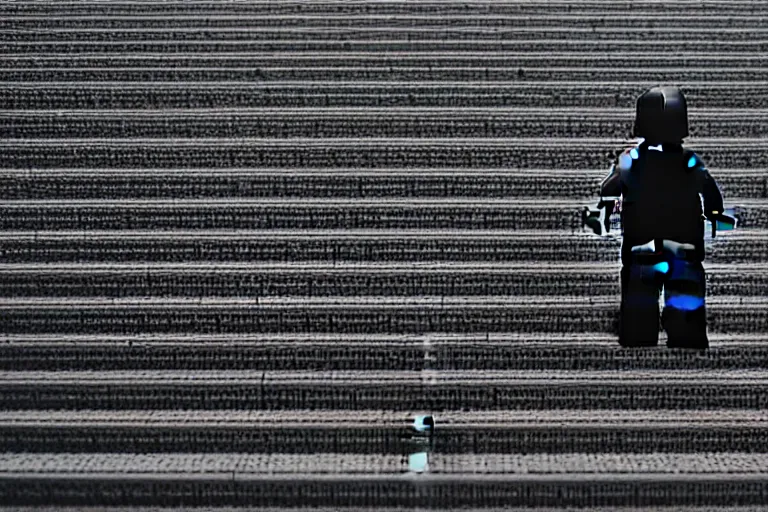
446 420
389 377
728 466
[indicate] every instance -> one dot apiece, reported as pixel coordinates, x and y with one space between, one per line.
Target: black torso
661 200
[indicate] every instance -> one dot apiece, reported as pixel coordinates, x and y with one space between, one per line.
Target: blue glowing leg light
685 302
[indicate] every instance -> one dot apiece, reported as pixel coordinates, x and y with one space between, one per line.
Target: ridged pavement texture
243 245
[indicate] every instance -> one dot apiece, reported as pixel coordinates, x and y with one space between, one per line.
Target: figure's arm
713 197
599 219
611 186
610 189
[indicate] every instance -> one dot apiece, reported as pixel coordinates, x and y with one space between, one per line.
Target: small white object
649 247
423 423
678 249
418 462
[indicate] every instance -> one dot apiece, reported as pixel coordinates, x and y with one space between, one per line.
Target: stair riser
263 184
392 397
340 439
417 125
479 216
391 492
220 155
345 319
463 29
381 73
373 42
213 95
232 216
296 356
92 248
368 320
247 283
203 10
438 19
349 59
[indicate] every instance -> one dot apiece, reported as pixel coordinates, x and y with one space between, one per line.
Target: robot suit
661 185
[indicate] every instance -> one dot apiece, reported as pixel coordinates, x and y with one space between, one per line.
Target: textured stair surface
117 280
350 122
383 480
244 245
384 509
342 183
375 431
343 246
369 93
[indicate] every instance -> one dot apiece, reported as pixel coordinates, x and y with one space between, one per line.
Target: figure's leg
685 317
639 321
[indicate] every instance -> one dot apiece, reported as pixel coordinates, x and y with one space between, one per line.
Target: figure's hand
598 220
724 222
721 221
591 218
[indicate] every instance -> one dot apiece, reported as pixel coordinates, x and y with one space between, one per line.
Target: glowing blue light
692 161
625 162
418 462
633 153
662 267
725 226
685 302
423 423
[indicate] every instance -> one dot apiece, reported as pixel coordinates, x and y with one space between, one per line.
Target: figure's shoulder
627 158
693 161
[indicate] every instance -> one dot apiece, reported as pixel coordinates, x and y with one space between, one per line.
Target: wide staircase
248 250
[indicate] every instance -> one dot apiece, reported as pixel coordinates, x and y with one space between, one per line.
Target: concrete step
314 214
328 280
281 214
481 71
550 153
376 432
379 509
314 351
212 9
343 246
349 315
366 480
431 391
435 19
351 122
463 28
545 94
347 59
376 42
329 183
335 464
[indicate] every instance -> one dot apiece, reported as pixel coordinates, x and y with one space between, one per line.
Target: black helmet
662 115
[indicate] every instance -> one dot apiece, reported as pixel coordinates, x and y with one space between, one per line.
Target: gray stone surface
243 244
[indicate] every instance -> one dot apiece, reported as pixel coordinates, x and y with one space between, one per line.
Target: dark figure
661 184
